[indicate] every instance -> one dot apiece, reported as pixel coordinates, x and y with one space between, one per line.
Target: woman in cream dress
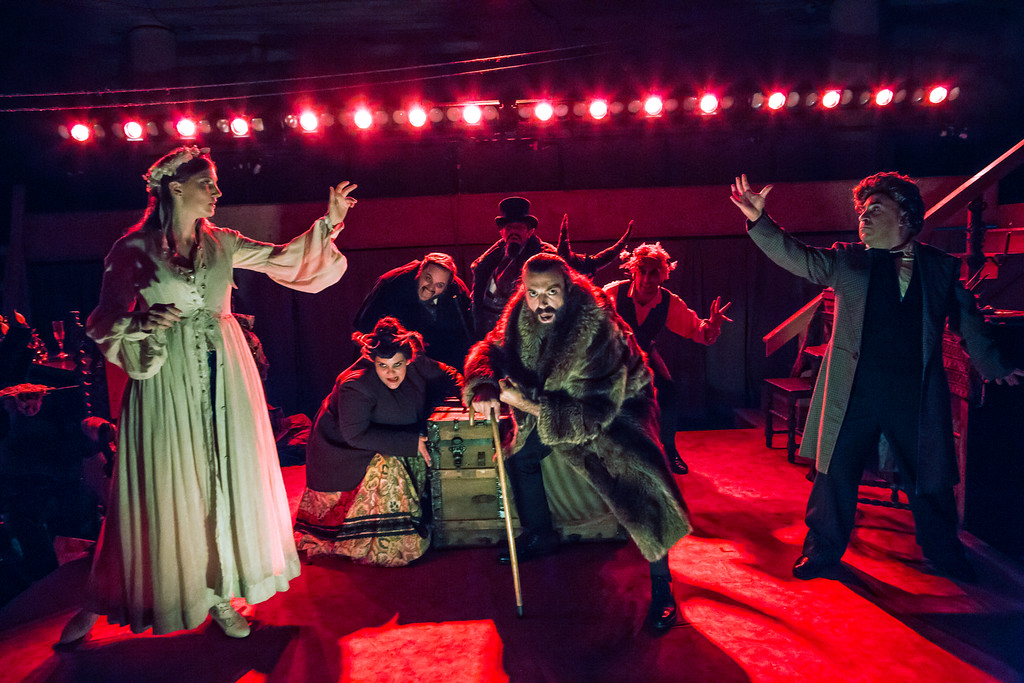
198 511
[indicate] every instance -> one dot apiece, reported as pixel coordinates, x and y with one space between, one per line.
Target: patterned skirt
380 522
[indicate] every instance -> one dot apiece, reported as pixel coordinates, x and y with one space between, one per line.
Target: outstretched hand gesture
340 202
718 316
749 202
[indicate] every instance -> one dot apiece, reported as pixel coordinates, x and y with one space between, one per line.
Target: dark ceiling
267 56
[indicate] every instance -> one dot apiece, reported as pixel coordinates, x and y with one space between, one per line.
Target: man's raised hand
749 202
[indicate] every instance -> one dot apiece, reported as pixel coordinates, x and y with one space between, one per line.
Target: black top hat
515 210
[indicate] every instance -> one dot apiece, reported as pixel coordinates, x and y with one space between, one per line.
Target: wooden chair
785 399
794 393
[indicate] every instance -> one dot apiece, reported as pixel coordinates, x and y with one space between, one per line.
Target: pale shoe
78 627
233 623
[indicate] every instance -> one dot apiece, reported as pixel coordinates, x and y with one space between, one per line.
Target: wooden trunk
466 498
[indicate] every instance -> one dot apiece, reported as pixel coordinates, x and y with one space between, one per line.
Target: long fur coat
597 407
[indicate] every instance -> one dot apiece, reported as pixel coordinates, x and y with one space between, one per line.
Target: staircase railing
974 187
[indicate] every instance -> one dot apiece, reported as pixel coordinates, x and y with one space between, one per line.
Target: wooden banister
974 186
793 326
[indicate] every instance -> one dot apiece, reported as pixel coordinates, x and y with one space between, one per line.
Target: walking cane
508 511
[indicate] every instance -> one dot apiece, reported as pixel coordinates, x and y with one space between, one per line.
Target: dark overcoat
846 268
447 334
597 407
362 416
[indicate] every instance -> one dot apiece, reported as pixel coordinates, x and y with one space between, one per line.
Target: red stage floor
451 616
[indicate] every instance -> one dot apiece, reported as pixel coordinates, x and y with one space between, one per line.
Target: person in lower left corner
581 390
367 455
42 461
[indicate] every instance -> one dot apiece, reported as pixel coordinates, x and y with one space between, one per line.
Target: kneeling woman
367 456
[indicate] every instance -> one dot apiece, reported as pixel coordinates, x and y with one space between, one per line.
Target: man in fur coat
581 390
882 372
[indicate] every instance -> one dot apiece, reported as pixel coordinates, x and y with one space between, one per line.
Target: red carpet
451 616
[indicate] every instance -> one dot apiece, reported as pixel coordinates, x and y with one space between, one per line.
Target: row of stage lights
538 111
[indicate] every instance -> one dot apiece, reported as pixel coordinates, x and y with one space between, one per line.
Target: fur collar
583 317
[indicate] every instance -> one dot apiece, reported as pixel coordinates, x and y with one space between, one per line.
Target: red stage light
830 99
363 118
417 116
938 94
186 128
133 130
884 97
777 100
598 109
239 127
653 106
80 132
708 103
309 121
543 111
472 114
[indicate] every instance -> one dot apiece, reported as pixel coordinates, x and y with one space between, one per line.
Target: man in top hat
496 272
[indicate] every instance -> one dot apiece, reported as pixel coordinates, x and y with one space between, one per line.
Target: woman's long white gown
198 510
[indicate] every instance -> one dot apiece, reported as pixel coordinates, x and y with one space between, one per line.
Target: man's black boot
530 545
662 614
807 567
677 464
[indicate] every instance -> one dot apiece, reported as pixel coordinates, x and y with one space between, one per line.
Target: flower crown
168 166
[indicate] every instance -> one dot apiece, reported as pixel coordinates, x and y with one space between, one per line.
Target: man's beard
546 309
512 249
